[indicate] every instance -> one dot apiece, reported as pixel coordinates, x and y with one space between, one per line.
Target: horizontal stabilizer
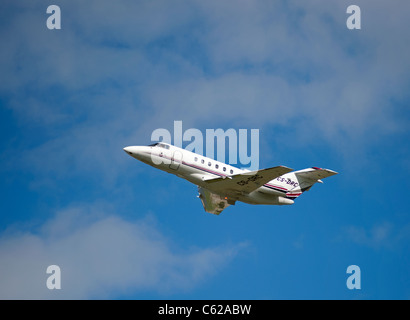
308 177
314 173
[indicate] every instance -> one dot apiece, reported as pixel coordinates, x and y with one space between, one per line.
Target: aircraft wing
245 182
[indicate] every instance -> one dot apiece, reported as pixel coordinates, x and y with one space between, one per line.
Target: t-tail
305 178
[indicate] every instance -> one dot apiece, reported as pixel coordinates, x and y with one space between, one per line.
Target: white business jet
221 185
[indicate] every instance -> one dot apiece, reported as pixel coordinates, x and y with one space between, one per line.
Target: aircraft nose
127 150
132 151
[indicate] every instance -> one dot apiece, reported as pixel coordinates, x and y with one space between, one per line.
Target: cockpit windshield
159 145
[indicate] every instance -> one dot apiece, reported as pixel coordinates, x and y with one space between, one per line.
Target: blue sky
319 93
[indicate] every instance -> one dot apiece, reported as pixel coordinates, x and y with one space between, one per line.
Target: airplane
221 185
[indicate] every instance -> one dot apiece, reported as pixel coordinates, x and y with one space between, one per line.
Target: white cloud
117 71
101 256
276 63
382 235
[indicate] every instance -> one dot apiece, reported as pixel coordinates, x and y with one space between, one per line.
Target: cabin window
202 161
209 164
216 166
224 168
231 171
196 159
